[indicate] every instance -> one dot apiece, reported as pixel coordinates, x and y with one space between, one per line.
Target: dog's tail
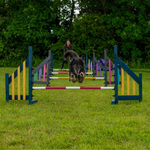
70 53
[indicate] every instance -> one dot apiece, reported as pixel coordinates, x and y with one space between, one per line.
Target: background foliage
100 25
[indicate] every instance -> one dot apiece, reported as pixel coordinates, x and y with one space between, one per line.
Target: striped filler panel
72 87
84 78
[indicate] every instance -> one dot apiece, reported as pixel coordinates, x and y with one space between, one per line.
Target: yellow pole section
90 77
18 83
63 77
128 85
122 80
62 69
24 80
133 87
91 66
13 87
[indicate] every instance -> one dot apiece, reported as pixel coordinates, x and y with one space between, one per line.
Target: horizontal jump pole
73 87
60 69
84 78
68 72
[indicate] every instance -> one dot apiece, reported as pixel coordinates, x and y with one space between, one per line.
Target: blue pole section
118 75
35 77
49 66
30 77
105 65
86 61
115 101
140 87
52 62
7 86
30 74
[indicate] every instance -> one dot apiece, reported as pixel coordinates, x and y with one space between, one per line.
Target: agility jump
28 62
92 68
99 65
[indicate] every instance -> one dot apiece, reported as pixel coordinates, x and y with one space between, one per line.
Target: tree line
100 24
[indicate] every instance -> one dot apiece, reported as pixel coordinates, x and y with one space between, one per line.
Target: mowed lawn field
75 119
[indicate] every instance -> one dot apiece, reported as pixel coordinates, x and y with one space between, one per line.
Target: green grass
75 119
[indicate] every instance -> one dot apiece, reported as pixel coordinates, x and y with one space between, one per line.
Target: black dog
76 66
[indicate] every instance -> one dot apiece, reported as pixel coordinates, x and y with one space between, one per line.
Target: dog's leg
70 79
82 74
81 77
70 76
73 78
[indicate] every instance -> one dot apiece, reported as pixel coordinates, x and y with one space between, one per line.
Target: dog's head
77 65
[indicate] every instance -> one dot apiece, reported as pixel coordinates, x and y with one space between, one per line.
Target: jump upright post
43 64
32 71
95 61
135 78
11 79
102 64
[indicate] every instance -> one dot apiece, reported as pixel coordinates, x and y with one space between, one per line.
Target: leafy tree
89 35
48 24
3 12
30 24
37 23
67 17
127 21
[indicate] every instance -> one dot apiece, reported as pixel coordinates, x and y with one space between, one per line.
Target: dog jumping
76 66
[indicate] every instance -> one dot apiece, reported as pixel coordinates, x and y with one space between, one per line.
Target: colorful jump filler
32 71
42 72
135 78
